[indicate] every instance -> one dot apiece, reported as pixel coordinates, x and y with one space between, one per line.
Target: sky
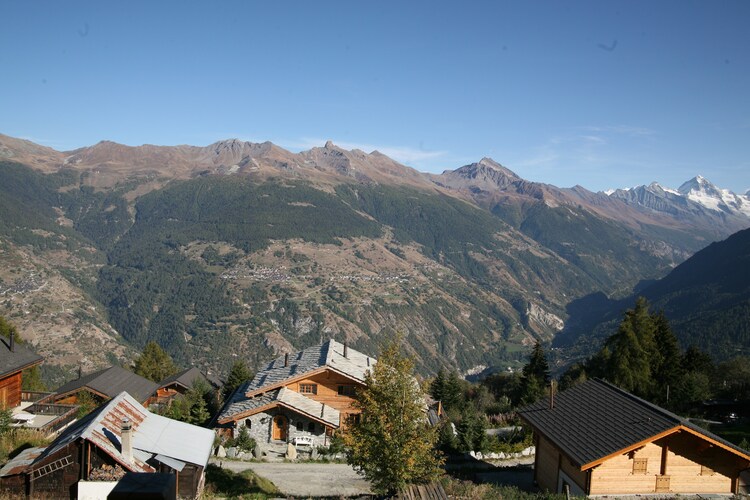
601 94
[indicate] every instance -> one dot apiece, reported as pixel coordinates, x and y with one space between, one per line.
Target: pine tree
668 370
437 387
535 375
392 445
238 374
154 363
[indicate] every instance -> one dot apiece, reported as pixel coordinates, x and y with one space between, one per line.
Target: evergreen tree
154 363
238 374
392 444
453 394
437 387
535 375
668 370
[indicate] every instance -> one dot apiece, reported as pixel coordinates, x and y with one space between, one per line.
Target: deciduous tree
392 444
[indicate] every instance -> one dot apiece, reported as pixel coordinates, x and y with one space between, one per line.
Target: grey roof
111 382
239 404
184 378
330 354
17 359
596 419
153 436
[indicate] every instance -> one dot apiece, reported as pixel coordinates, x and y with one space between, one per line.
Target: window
300 426
311 427
640 465
346 390
249 424
352 418
308 388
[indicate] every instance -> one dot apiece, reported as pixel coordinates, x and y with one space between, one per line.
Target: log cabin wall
692 466
10 391
327 388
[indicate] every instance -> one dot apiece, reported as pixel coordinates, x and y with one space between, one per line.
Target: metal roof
19 463
111 382
17 359
596 419
152 435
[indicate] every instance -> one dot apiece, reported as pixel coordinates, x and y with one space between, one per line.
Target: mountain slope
243 249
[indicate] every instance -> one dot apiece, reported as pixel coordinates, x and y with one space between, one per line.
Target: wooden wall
547 459
10 391
328 386
684 459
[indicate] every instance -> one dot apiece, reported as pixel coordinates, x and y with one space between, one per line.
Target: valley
247 250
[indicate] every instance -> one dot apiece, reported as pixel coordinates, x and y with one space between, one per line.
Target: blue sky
601 94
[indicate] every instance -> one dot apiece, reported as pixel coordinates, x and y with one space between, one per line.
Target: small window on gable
311 427
300 426
707 471
308 388
346 390
640 465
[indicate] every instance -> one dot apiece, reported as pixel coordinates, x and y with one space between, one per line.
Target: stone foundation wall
260 424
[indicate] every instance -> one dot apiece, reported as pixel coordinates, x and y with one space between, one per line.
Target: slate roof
596 419
155 438
111 382
240 404
184 378
16 360
330 354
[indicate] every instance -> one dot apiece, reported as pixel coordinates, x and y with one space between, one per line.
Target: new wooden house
600 440
120 436
14 359
305 395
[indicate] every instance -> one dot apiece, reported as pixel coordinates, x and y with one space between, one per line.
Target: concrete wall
95 490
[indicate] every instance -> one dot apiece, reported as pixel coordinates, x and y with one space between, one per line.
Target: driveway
306 479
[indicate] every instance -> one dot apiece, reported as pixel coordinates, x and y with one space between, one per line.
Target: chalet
180 383
597 439
120 436
14 359
300 397
106 384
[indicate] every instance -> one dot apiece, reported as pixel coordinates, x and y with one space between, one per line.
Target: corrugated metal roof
19 463
595 419
111 382
152 435
18 359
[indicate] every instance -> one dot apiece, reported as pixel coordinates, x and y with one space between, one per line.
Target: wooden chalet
597 439
106 384
14 359
180 383
120 436
306 395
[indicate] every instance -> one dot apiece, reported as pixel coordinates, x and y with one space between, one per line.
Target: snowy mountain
694 197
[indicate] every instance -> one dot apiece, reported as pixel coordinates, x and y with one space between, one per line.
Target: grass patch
15 441
224 483
456 488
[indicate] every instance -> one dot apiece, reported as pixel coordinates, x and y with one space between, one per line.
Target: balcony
35 412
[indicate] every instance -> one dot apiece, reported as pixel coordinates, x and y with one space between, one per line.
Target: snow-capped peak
701 191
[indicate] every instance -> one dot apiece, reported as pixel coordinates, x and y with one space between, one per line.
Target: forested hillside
241 250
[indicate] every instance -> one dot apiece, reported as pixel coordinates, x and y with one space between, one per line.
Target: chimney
551 394
346 350
79 372
126 440
12 342
286 359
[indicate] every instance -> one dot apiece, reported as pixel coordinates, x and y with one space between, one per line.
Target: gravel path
306 479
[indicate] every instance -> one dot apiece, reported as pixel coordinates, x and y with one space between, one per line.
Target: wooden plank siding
691 464
328 383
10 390
547 461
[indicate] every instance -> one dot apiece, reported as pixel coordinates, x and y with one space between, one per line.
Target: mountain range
244 249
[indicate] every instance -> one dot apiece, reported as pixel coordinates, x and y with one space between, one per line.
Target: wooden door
280 425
